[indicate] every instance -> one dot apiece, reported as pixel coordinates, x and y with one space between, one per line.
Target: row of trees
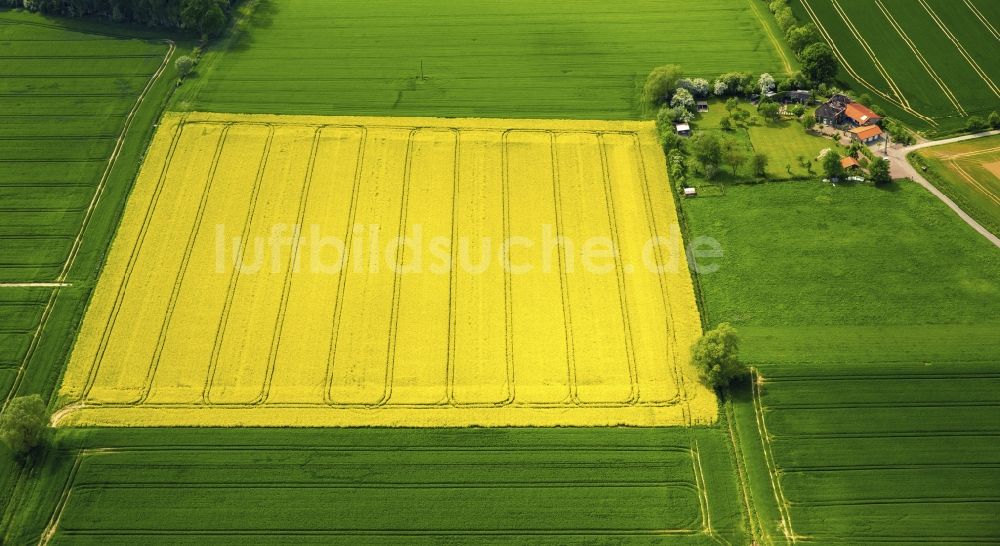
207 17
819 64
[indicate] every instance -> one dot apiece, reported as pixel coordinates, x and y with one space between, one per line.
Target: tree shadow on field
262 17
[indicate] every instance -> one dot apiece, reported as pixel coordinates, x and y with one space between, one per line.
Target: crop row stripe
979 15
961 49
508 282
182 271
847 66
292 259
563 281
920 58
871 52
619 273
772 466
975 183
234 278
342 280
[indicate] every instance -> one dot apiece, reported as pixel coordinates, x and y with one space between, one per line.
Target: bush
994 120
184 65
716 357
725 123
975 124
23 424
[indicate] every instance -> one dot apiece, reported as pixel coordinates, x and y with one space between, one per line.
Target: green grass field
969 173
931 63
870 315
561 59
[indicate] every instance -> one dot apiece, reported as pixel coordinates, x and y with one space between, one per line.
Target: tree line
206 17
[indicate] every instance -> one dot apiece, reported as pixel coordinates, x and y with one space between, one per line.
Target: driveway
901 168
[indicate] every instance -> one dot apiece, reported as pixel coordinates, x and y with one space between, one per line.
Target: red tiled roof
849 162
866 132
860 113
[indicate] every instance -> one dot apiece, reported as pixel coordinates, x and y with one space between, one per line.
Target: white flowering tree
720 88
699 87
766 83
682 99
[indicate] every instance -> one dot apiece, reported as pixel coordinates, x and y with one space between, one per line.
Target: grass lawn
785 143
969 173
871 316
561 59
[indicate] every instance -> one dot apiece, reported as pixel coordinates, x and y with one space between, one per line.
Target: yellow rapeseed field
351 271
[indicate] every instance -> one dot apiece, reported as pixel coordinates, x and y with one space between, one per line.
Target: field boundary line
755 8
112 160
182 271
220 331
772 470
50 528
921 59
979 15
634 391
854 73
961 49
453 274
563 280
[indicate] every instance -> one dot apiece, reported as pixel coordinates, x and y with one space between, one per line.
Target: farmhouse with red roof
840 110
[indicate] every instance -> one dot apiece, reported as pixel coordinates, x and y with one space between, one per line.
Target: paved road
901 168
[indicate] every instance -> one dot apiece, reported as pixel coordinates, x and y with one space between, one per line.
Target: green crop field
870 316
520 58
505 486
77 102
932 63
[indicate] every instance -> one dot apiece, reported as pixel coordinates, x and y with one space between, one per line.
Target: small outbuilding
702 105
683 129
867 133
849 163
690 192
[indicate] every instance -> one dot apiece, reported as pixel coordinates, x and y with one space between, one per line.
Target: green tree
878 171
24 423
802 37
733 154
975 124
831 165
797 110
660 84
994 120
769 110
706 149
819 64
732 105
184 65
725 123
716 357
205 16
759 164
785 19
